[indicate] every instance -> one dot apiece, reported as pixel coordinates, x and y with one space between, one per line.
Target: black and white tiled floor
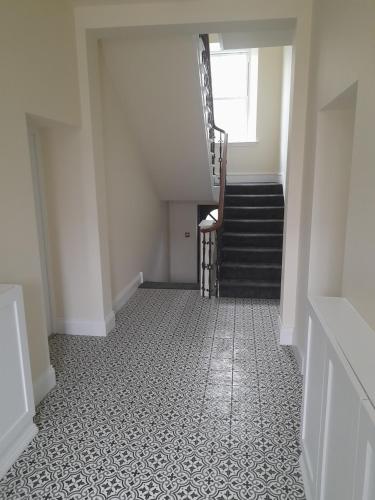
187 399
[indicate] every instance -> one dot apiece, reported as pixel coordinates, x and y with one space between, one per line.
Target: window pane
214 214
229 75
231 115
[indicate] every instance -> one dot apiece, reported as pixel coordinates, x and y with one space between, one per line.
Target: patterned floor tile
186 399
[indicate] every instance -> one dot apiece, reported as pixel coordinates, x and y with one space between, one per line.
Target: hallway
187 398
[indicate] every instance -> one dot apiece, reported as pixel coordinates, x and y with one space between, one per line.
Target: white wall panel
16 393
338 436
313 399
365 467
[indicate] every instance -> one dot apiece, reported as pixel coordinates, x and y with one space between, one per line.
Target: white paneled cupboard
338 431
16 393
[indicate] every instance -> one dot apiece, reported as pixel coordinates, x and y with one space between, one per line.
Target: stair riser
254 189
250 292
251 273
254 201
251 257
254 213
254 226
274 241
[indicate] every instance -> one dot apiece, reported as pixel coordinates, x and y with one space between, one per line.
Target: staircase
251 241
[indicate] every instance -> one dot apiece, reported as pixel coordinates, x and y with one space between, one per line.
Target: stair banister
210 233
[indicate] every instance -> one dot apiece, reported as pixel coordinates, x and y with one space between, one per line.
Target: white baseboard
125 294
239 178
305 479
110 322
11 454
299 358
84 327
286 334
98 328
43 384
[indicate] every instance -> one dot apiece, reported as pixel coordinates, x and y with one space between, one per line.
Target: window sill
242 143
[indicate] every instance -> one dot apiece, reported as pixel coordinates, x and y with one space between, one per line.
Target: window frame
251 92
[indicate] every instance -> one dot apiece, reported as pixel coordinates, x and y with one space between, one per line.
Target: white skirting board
241 178
122 298
110 322
16 448
84 327
304 472
43 384
98 328
299 358
286 334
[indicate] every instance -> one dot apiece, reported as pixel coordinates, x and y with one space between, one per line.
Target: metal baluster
209 265
220 152
203 251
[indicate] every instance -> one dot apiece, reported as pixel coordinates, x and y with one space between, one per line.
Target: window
213 215
234 87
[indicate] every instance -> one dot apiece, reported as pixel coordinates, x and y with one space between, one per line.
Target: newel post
208 263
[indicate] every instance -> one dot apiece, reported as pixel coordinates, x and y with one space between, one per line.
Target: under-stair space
251 241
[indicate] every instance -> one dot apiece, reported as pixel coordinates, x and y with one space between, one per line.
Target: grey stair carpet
166 285
252 240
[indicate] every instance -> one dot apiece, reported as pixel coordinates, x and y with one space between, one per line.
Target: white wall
343 55
183 250
68 246
156 76
285 111
265 34
39 78
137 219
262 156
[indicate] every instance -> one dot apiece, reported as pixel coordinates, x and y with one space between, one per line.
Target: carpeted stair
251 242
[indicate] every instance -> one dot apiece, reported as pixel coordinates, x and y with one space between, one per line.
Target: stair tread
253 220
234 233
254 188
260 283
252 249
255 195
251 265
251 254
251 207
254 184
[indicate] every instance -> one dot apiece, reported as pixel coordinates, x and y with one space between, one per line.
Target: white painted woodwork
338 431
16 391
364 488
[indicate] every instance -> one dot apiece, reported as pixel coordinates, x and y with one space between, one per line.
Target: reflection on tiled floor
187 398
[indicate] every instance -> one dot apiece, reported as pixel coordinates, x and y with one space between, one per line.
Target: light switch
187 234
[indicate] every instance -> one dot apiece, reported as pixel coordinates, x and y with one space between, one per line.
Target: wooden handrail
223 176
223 143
